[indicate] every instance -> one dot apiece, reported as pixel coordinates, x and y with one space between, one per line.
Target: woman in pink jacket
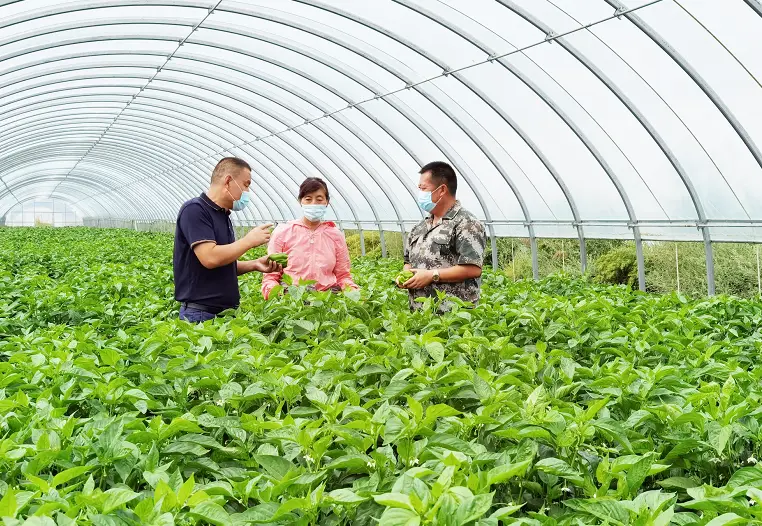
317 250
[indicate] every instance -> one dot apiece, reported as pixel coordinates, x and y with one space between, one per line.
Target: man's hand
258 235
266 265
422 278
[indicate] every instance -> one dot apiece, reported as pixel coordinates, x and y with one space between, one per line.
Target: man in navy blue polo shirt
206 252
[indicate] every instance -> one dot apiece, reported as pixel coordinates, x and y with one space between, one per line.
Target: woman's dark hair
313 184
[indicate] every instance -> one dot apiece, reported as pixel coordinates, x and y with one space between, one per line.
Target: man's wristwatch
436 277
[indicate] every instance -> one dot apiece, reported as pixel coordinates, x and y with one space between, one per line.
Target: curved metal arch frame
23 101
95 176
371 205
63 151
323 130
259 109
495 107
325 151
245 117
85 182
68 198
153 136
406 114
750 2
181 118
636 113
196 117
350 127
667 152
390 167
265 127
455 120
160 138
77 99
403 109
340 141
34 197
696 77
336 115
756 5
485 150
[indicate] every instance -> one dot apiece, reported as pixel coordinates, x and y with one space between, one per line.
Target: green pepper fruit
280 258
403 276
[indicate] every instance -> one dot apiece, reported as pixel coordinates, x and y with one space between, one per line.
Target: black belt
202 308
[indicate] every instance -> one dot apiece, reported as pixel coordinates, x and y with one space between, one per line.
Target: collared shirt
319 255
458 239
198 221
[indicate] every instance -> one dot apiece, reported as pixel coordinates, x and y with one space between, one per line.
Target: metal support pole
563 256
641 260
513 257
759 275
535 257
493 242
677 268
362 239
383 241
709 261
583 253
404 235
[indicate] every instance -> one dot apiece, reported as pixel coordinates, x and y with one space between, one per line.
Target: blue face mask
314 212
425 202
242 202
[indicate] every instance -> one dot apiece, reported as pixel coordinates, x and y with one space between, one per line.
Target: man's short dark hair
229 166
313 184
442 174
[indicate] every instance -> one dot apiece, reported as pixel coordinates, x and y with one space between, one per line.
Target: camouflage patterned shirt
458 239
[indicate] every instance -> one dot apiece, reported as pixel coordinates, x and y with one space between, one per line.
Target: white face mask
425 202
314 212
242 202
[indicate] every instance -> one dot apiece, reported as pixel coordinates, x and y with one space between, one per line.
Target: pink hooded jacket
319 255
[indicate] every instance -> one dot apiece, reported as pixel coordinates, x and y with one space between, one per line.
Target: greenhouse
602 368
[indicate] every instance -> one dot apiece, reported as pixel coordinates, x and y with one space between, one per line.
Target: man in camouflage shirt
445 250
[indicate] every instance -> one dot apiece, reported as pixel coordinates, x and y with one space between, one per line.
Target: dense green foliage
736 264
613 262
552 403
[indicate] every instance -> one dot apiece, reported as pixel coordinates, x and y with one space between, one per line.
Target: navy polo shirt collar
214 206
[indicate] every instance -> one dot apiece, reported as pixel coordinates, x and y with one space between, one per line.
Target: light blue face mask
425 202
243 202
314 212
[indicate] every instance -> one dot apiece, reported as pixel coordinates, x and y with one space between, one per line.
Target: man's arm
470 241
457 274
262 264
212 255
